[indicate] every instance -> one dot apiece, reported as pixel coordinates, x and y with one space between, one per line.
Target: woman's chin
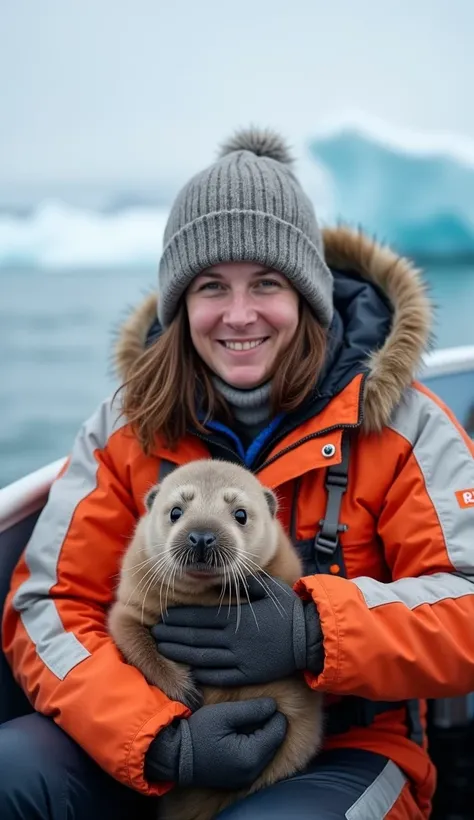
244 378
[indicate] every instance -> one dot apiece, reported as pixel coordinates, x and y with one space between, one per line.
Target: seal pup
160 570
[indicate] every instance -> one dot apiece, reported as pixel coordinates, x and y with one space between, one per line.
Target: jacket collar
292 454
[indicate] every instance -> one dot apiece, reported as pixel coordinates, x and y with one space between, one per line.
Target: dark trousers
44 775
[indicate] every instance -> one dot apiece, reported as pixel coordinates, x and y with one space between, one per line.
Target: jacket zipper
319 433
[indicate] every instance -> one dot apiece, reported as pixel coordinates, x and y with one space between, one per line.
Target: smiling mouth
244 345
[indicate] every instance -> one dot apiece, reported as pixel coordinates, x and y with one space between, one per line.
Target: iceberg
58 236
412 190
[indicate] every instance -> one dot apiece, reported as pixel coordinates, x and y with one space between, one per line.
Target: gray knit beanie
247 206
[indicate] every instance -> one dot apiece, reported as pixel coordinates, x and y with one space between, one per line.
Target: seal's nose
200 543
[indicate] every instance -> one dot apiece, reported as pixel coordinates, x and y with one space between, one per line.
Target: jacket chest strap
327 558
328 554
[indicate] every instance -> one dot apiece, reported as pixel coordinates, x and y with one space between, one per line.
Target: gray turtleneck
250 408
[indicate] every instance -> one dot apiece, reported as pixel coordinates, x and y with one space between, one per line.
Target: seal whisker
179 569
224 587
266 588
271 577
227 564
137 567
163 581
268 591
172 575
245 586
235 579
247 552
230 588
143 580
184 559
149 586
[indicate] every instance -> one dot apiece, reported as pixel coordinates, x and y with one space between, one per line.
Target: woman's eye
175 513
241 517
269 283
210 286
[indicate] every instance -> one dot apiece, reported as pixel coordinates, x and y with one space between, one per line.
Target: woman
298 362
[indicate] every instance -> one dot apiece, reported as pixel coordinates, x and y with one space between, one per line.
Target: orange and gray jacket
397 607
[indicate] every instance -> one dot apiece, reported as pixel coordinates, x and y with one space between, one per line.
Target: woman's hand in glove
227 745
268 638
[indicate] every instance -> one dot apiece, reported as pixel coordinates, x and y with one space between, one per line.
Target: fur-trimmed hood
391 365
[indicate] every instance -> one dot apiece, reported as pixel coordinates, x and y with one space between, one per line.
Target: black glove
277 634
225 746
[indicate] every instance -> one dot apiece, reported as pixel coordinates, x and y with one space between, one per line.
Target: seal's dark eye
175 513
241 517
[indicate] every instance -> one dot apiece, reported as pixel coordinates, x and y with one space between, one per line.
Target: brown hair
160 395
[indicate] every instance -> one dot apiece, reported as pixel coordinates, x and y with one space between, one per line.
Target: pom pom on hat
263 143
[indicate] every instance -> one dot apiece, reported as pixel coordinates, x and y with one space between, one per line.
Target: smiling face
242 318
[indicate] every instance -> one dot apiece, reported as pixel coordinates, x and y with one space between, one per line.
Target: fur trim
391 368
132 336
265 143
394 366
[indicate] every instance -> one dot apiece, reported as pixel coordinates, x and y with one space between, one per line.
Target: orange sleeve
54 626
412 637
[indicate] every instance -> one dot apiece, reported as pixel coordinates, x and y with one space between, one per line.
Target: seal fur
208 492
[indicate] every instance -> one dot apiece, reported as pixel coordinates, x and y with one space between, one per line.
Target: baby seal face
210 522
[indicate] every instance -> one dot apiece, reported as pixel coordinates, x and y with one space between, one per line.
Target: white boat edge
448 361
29 493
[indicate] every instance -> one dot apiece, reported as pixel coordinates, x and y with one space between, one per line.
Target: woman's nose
240 311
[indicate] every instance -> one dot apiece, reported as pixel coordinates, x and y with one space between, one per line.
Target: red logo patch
465 498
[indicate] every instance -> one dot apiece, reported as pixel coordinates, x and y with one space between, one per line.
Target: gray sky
123 90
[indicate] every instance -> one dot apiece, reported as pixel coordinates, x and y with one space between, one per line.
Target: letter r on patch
465 498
